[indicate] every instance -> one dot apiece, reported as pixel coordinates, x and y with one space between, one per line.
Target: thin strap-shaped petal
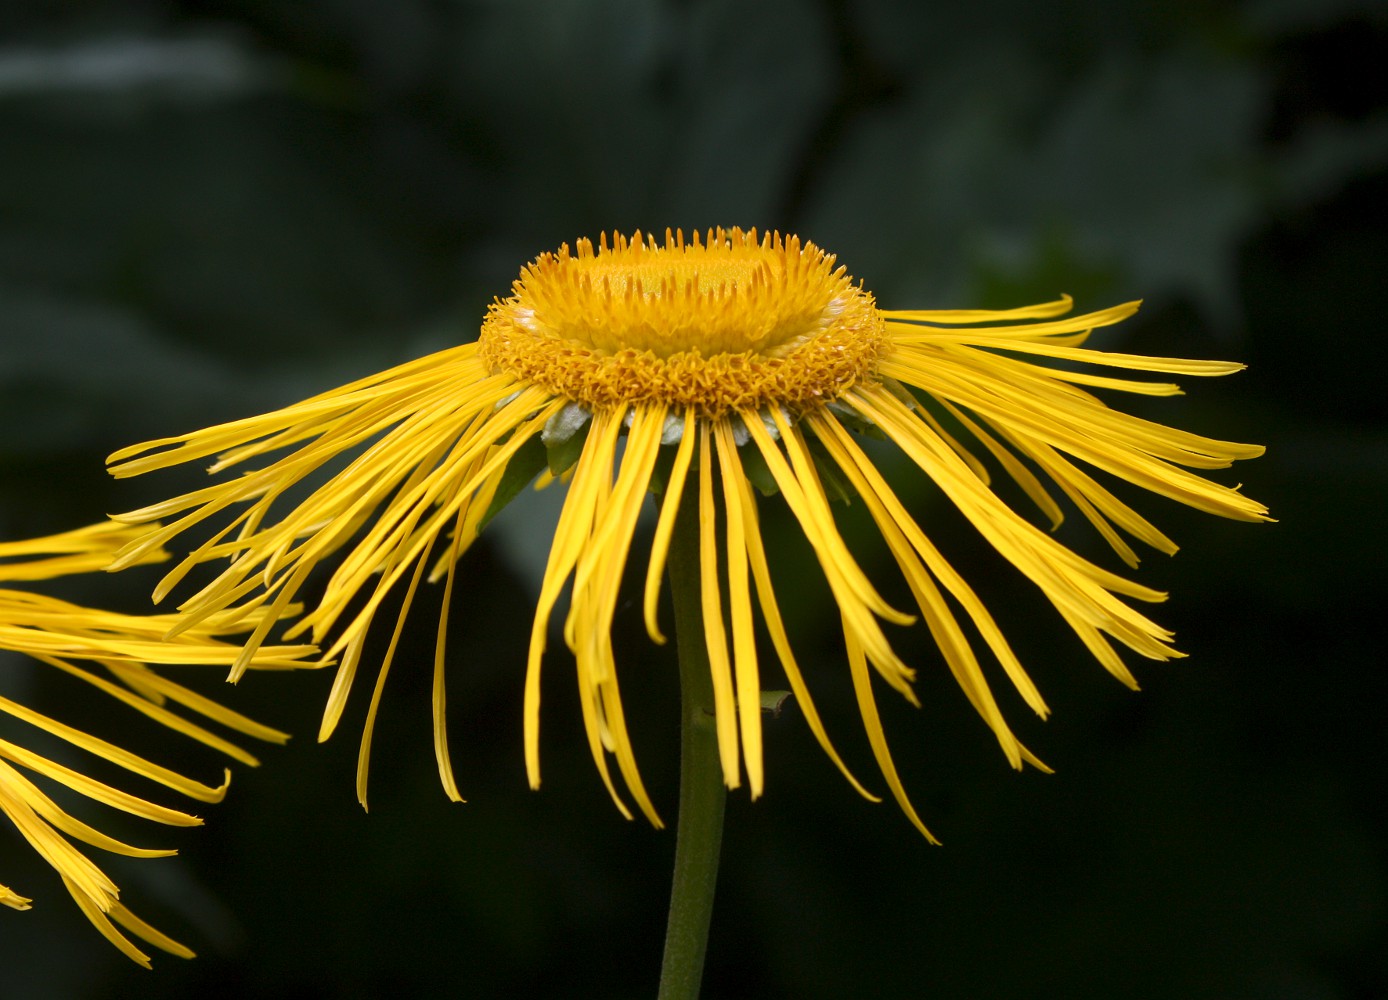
122 915
669 507
1003 379
618 522
1100 507
745 672
342 686
823 527
440 698
970 459
12 899
368 728
1139 362
872 724
1044 310
118 912
1028 332
715 638
102 923
1063 576
262 630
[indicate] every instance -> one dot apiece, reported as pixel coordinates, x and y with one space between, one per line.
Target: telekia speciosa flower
735 368
114 654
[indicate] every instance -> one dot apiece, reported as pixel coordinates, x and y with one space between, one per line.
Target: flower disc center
730 322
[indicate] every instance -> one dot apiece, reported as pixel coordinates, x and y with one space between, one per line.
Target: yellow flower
724 363
65 636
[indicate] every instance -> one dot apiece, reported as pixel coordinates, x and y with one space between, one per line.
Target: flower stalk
699 835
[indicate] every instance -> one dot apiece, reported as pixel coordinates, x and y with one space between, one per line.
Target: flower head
113 653
710 366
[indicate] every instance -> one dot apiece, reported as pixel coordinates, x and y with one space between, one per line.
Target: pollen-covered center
729 322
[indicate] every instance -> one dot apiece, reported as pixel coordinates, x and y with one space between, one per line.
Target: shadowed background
208 209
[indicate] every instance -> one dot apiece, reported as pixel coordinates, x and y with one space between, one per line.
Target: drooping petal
665 525
715 636
745 675
872 723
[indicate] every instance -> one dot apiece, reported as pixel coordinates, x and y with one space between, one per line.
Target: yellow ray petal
872 723
669 507
745 674
715 638
1045 310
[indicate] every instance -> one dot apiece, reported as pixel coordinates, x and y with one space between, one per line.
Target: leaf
773 701
757 471
527 463
562 455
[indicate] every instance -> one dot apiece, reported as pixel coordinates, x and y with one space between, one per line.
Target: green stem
700 833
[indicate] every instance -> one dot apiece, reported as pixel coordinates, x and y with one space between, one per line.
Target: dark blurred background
212 208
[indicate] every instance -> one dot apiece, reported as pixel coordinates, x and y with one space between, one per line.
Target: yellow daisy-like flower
722 363
74 639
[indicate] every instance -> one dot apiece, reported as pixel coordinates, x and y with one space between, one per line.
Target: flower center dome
730 322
